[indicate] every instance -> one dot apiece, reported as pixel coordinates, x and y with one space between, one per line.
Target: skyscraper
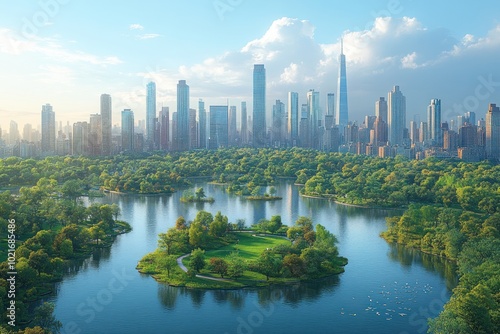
48 130
218 127
244 124
202 119
259 106
128 130
279 122
330 105
396 116
434 122
314 117
164 128
106 125
381 109
182 116
293 117
80 138
150 115
493 132
232 130
193 129
95 135
342 107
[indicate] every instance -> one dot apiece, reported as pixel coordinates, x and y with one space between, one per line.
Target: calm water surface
385 288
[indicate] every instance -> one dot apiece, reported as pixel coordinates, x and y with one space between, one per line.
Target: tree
240 223
40 261
97 233
219 266
115 210
274 224
219 226
180 223
197 234
72 189
236 265
197 260
168 262
268 264
44 317
200 194
295 264
173 241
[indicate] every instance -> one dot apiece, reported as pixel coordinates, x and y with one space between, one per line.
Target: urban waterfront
385 288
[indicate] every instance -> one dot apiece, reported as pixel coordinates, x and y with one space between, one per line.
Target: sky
69 52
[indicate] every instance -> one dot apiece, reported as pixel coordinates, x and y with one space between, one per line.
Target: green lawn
248 246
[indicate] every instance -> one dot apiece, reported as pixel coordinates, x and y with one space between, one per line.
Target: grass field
249 247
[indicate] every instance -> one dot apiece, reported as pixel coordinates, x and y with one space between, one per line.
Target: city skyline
384 45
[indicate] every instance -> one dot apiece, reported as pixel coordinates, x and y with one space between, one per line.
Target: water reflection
293 294
408 257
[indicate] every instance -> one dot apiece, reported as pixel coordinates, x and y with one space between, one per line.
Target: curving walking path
183 267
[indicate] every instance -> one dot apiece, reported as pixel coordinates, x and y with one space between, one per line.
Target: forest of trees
453 207
53 229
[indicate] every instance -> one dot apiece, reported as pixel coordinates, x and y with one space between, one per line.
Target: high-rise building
48 130
414 134
13 133
493 132
80 138
232 130
396 116
293 118
330 105
202 120
434 122
28 132
259 106
106 119
218 127
244 124
182 116
150 115
278 124
314 117
304 127
95 136
193 129
381 109
164 128
470 117
128 137
342 107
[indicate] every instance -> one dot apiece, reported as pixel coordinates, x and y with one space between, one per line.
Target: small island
212 253
197 197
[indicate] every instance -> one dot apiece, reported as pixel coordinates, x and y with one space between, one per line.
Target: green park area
199 258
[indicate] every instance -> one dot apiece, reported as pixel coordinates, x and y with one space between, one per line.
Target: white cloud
425 63
408 61
136 26
11 43
149 36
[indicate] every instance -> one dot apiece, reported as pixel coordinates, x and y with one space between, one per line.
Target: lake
385 288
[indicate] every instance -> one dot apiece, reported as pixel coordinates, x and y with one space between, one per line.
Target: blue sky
68 52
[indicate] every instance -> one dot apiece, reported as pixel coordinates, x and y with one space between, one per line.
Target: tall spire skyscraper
342 108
